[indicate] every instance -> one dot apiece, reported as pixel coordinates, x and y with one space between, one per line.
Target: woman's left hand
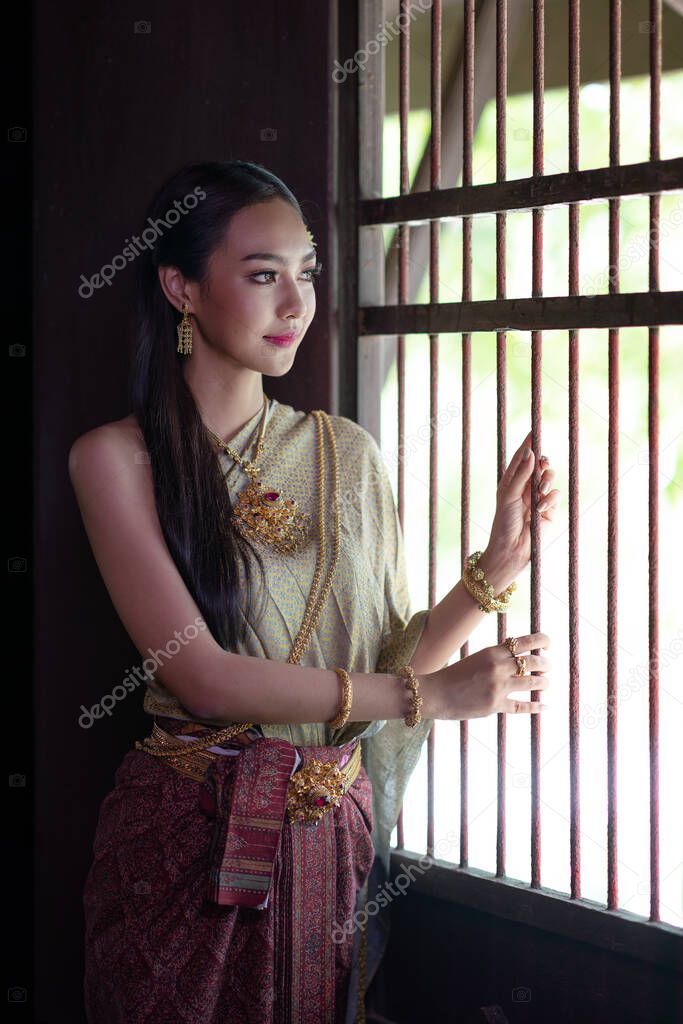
509 547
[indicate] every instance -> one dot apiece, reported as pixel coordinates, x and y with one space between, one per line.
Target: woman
232 853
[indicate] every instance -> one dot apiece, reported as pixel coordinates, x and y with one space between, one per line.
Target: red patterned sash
249 818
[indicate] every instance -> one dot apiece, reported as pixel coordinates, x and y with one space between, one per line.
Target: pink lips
281 339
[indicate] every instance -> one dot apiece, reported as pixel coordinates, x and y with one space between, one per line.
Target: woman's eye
313 272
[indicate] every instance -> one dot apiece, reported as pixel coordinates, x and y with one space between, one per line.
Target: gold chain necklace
263 513
314 603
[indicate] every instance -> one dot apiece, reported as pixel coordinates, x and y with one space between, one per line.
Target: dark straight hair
191 497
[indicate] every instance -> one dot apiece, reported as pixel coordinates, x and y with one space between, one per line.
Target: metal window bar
468 132
536 355
573 312
613 465
653 465
434 228
573 382
403 265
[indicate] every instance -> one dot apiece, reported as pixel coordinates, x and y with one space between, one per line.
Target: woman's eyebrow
275 258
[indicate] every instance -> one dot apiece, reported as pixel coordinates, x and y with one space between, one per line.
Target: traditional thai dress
182 922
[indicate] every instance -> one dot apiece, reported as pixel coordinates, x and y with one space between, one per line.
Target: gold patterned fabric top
366 623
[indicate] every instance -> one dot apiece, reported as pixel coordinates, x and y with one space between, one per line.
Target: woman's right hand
479 685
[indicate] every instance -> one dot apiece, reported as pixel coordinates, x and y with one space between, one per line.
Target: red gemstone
321 801
271 495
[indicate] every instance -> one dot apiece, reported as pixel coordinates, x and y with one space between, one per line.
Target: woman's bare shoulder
123 438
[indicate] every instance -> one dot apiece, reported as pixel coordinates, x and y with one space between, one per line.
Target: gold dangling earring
184 330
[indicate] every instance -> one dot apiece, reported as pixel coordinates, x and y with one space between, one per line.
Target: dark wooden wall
115 111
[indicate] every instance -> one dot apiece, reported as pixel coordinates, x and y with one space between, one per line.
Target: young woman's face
250 298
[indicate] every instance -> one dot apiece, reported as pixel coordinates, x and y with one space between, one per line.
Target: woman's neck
225 406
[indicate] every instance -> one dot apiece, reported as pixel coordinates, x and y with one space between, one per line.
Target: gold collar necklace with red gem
262 513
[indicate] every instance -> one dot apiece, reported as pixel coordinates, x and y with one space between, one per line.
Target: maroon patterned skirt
159 946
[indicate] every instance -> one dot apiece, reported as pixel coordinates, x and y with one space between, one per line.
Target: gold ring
511 644
521 665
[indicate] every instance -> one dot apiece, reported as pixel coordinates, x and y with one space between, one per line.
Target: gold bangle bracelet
342 715
414 716
480 589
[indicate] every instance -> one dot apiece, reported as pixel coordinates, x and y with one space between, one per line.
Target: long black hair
192 499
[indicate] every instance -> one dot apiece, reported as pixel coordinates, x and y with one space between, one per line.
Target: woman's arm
451 621
116 499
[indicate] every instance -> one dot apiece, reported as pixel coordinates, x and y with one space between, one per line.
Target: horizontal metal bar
631 309
647 178
583 920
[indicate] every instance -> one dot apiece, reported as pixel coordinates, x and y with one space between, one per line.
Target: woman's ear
174 287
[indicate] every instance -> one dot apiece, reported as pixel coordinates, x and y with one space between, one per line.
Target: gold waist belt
313 789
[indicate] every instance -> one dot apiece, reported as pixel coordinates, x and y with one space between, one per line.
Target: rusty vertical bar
574 81
403 265
613 468
434 227
653 467
536 384
501 352
467 132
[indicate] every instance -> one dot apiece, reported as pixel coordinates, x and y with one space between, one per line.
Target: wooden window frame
364 319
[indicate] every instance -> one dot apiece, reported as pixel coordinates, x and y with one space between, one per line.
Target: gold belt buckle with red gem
313 790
